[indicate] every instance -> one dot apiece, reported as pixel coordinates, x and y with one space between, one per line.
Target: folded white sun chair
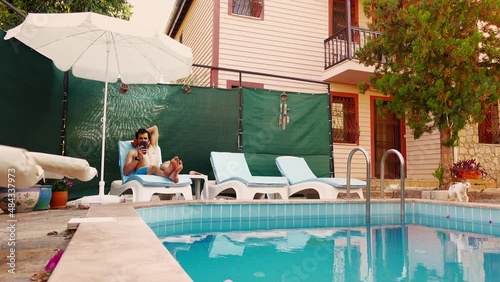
231 172
145 186
301 178
18 168
23 169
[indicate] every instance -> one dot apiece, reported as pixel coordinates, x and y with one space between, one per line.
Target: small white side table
197 178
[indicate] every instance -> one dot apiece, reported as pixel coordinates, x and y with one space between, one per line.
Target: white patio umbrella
105 49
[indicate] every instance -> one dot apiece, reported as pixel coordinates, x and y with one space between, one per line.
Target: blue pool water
388 253
330 241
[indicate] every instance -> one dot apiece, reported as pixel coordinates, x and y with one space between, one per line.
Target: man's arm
130 162
153 131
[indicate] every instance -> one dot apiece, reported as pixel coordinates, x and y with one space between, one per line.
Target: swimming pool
418 237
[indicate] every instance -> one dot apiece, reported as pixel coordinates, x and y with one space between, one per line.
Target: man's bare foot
172 166
175 175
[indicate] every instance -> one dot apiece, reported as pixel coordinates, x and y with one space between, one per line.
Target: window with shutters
249 8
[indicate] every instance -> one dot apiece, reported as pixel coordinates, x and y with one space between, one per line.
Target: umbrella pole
101 198
101 183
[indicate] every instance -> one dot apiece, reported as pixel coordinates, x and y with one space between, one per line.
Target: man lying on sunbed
144 159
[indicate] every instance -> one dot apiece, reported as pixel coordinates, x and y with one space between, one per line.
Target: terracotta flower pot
470 174
59 200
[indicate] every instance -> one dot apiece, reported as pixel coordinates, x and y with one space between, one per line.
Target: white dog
459 191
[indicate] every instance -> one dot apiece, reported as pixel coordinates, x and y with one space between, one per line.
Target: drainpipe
349 35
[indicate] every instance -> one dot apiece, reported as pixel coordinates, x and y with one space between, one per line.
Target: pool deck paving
36 243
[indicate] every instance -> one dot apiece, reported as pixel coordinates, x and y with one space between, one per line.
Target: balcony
341 63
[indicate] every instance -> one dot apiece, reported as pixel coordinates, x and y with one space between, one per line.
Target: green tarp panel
32 92
190 125
307 135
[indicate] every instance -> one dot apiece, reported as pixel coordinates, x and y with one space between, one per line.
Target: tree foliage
114 8
438 60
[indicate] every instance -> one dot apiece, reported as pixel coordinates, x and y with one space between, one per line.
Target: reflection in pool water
370 253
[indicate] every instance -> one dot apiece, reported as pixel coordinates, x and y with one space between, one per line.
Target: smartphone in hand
143 145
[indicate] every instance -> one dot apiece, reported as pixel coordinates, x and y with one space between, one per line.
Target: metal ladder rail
368 169
402 177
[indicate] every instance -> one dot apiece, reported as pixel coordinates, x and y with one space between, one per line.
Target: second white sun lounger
231 172
301 178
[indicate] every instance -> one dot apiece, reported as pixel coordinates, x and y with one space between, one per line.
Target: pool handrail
368 169
401 176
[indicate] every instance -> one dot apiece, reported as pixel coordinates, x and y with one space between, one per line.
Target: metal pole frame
240 121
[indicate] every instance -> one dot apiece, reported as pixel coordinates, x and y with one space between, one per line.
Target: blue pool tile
495 215
281 224
178 229
206 225
322 210
254 211
264 210
158 214
235 225
272 212
245 211
235 211
338 209
272 224
280 210
288 210
254 225
216 212
323 222
194 211
205 212
226 211
330 209
485 215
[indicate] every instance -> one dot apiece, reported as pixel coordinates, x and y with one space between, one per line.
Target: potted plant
60 189
468 169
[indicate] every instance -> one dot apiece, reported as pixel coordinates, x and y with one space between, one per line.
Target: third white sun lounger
231 172
300 177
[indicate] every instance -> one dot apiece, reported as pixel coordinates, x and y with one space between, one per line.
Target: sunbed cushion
159 181
261 181
229 166
342 182
297 171
233 166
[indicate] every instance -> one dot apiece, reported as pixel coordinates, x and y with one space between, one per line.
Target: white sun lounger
231 172
300 177
145 186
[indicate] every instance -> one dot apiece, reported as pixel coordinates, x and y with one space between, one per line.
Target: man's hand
140 153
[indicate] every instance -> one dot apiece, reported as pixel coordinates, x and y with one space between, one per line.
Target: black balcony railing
339 47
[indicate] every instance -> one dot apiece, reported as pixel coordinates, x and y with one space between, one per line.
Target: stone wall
487 154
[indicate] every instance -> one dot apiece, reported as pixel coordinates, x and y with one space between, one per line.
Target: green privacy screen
31 94
190 125
307 134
